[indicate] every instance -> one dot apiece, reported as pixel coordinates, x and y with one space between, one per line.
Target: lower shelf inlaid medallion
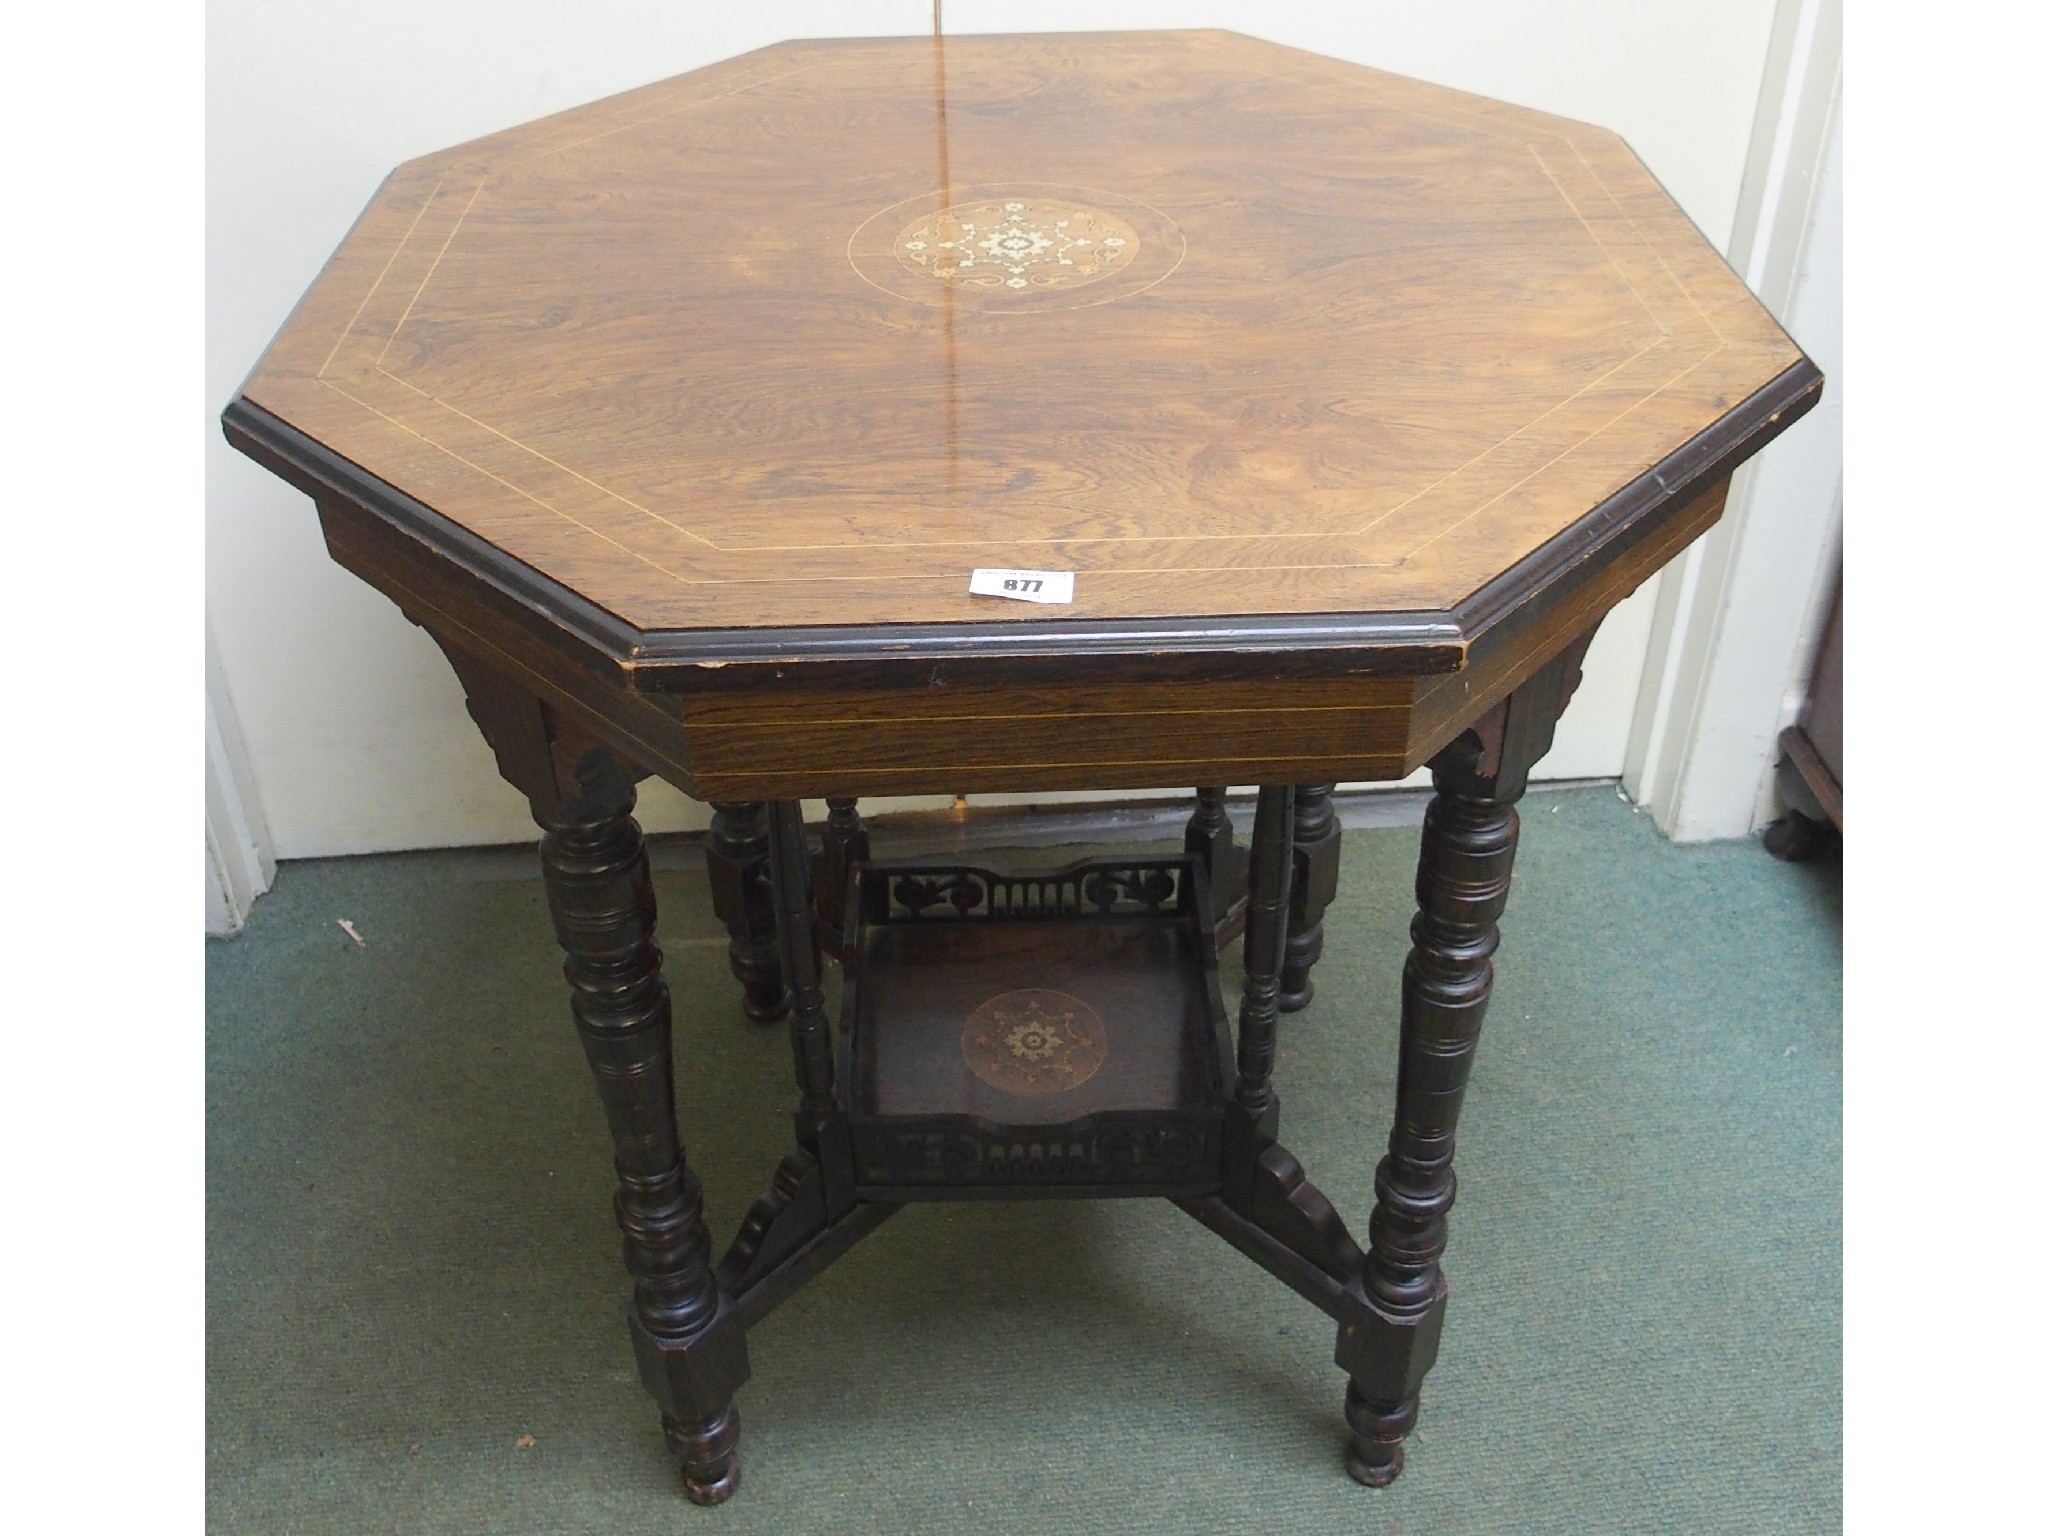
1034 1041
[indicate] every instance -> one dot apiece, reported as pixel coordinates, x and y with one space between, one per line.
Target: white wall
356 736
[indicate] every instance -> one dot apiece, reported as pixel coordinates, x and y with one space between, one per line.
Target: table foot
1795 837
1374 1456
709 1453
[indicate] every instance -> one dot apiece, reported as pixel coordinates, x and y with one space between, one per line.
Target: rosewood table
695 424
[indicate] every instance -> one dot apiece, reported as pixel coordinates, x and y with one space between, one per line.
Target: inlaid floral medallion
1017 244
1034 1042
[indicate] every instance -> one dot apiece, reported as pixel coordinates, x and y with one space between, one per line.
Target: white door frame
239 862
1738 613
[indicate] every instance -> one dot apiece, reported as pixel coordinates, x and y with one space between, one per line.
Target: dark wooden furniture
1810 754
680 420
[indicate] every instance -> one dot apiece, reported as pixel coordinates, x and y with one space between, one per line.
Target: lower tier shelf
1034 1035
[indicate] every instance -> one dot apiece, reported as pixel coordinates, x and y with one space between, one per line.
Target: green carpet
412 1266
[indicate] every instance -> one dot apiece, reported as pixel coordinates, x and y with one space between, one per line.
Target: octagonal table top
1250 340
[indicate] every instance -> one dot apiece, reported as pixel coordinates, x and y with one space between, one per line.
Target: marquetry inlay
1035 1041
1017 244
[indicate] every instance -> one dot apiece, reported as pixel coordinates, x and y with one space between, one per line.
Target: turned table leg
1210 838
1265 940
692 1350
820 1126
844 844
1317 840
1461 889
1468 848
736 856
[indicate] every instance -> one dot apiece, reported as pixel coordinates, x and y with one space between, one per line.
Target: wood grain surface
1370 343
